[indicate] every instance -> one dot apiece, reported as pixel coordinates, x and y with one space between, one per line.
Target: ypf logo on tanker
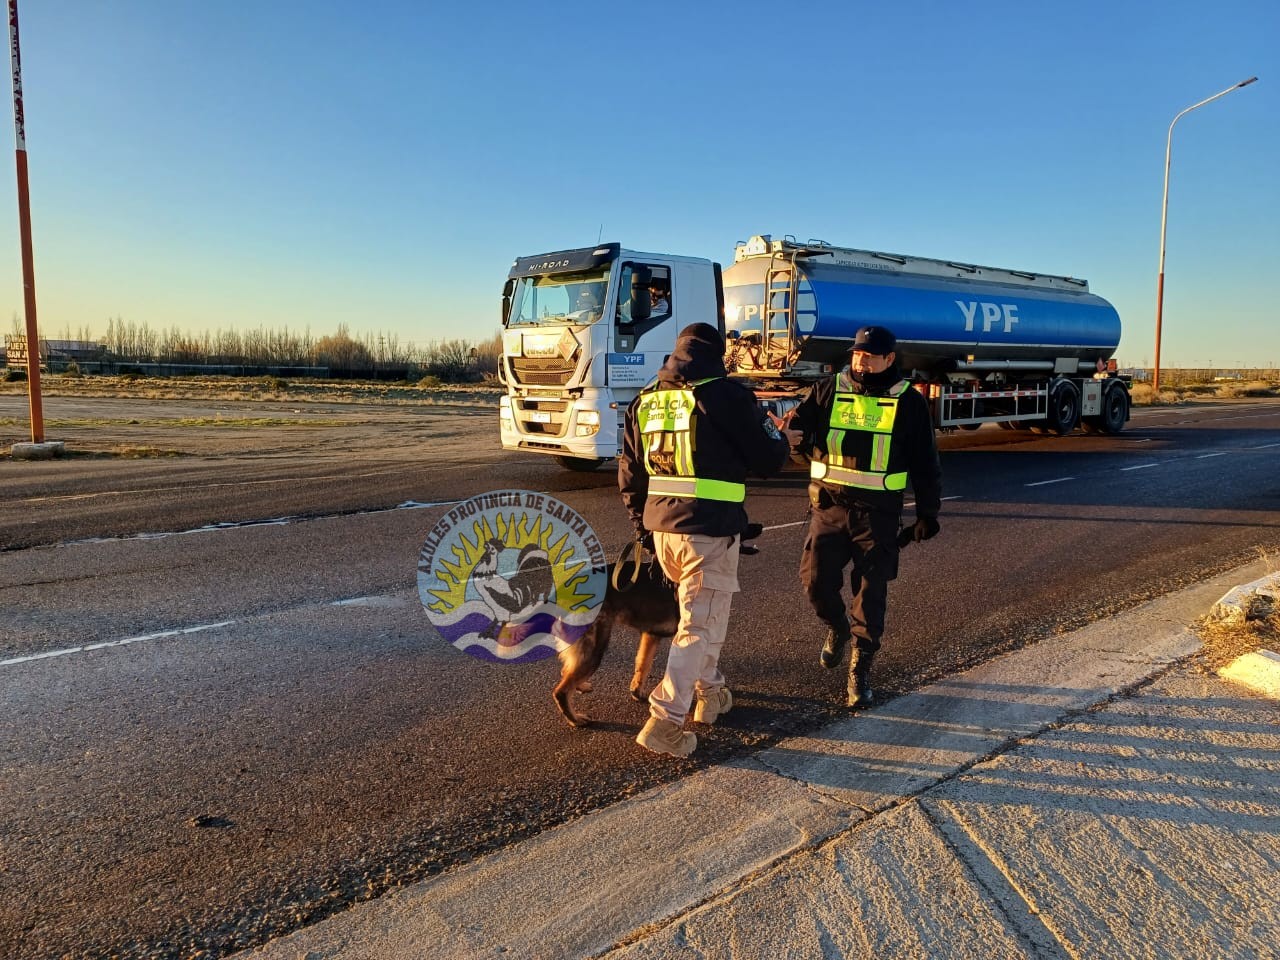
511 576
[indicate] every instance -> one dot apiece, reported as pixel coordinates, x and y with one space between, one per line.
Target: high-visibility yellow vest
857 412
666 419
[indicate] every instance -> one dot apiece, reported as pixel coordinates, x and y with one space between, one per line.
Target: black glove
926 528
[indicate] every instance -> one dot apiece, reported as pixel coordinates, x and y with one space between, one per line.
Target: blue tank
945 315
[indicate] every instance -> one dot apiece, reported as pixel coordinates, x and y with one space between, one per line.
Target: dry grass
1143 395
263 388
1223 642
1259 628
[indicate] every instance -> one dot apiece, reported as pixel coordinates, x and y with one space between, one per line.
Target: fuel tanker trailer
586 329
983 344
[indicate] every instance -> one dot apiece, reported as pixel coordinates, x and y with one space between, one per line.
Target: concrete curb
47 450
1259 671
1249 601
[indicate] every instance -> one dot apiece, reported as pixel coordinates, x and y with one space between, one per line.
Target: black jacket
733 437
912 449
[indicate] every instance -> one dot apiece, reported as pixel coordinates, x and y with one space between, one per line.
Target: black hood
694 358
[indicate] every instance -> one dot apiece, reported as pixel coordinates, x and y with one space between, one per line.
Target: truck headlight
588 423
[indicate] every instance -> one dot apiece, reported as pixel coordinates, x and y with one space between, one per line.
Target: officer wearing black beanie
689 443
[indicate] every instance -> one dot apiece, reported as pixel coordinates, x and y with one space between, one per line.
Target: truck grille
544 371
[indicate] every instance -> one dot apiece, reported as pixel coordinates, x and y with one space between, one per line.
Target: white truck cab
583 332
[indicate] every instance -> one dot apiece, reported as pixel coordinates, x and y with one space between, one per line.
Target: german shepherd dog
650 606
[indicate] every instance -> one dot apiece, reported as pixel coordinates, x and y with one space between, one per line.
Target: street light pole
1164 217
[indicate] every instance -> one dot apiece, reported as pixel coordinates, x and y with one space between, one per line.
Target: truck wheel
1064 408
580 464
1115 410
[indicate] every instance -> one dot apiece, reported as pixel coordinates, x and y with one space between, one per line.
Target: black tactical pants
840 536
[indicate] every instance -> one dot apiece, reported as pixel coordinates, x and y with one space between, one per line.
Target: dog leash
634 552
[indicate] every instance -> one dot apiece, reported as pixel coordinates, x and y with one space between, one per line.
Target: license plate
540 416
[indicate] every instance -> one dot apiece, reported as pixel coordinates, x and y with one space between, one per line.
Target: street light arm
1242 83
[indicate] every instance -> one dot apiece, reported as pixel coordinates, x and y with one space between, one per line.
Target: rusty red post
24 226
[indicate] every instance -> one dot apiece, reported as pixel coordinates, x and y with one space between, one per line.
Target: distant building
72 349
62 351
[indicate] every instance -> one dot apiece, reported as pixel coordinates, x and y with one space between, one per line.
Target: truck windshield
570 298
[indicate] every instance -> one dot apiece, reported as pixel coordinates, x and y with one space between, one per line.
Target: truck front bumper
583 426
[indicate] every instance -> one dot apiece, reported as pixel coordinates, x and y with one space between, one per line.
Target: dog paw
637 696
585 686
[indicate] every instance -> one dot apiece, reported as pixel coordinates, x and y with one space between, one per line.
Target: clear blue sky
380 164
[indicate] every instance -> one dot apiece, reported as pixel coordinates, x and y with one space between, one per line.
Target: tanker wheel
580 464
1064 409
1115 410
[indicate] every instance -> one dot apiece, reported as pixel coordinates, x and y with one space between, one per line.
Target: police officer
690 441
867 433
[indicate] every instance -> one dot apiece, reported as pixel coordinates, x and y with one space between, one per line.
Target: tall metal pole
24 226
1164 218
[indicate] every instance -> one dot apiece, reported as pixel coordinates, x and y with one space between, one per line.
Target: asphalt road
281 734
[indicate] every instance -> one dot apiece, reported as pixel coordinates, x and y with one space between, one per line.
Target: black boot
860 693
833 648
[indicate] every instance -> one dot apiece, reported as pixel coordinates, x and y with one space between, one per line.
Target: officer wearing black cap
689 443
866 433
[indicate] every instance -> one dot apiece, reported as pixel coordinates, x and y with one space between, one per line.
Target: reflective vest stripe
880 452
835 446
862 479
698 488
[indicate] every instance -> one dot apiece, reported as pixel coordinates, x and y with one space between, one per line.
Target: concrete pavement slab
1149 828
895 889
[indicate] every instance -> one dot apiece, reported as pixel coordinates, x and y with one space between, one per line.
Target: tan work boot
663 736
710 707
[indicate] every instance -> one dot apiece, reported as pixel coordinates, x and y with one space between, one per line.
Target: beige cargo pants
705 570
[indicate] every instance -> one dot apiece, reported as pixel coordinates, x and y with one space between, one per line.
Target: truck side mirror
507 288
640 305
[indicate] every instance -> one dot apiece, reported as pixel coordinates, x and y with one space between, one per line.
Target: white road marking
1206 456
376 601
1141 466
116 643
1044 483
783 526
1263 446
202 486
239 524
